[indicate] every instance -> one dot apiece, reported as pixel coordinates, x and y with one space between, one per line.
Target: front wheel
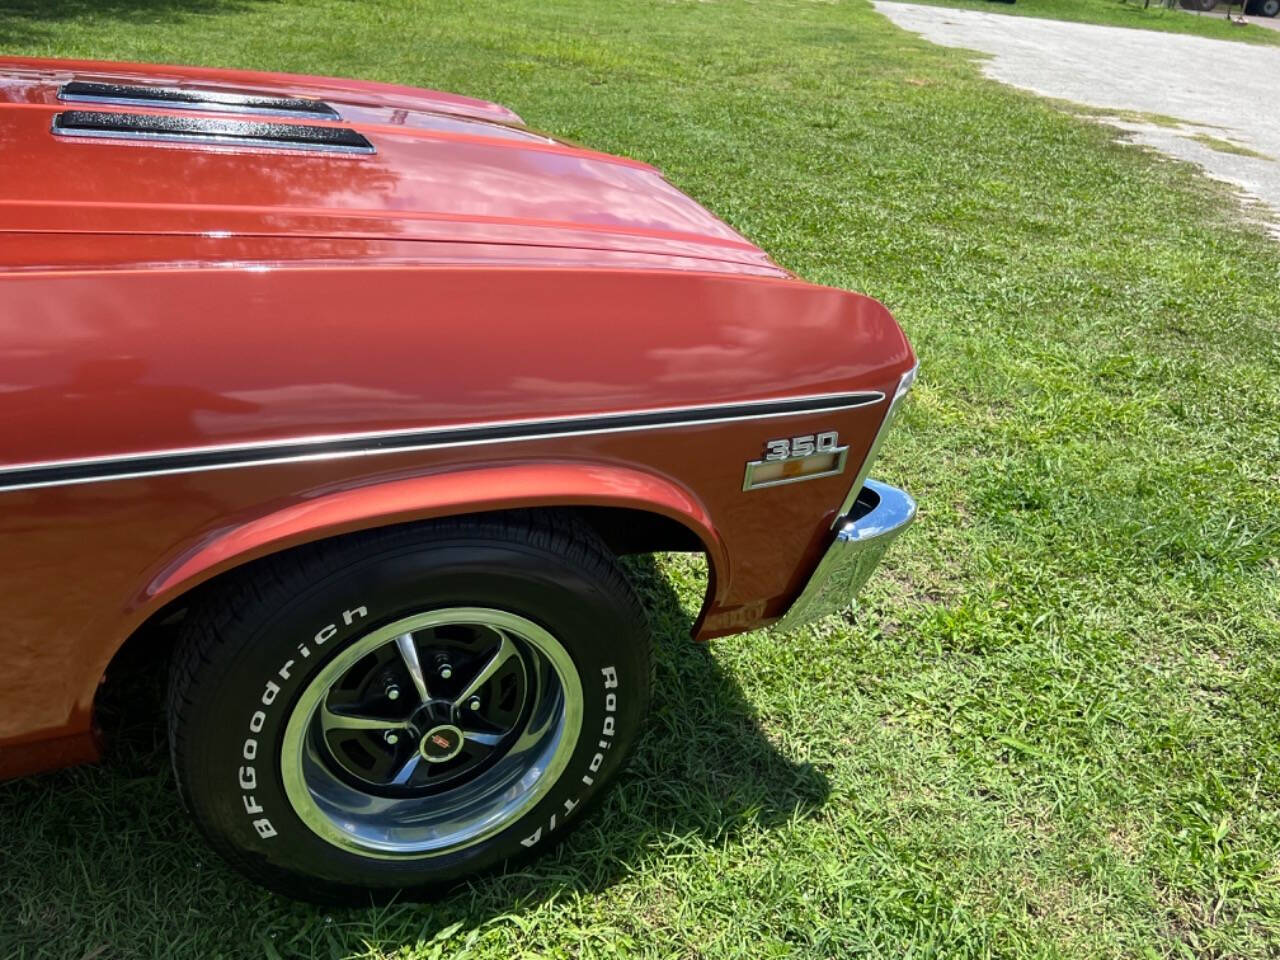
1263 8
399 710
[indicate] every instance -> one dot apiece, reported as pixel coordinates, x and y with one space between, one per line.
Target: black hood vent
210 130
187 98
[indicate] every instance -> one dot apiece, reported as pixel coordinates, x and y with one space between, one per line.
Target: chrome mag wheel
432 733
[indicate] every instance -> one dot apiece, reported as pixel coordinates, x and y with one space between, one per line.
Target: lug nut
391 737
474 703
393 692
446 671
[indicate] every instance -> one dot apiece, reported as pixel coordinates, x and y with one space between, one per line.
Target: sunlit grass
1051 731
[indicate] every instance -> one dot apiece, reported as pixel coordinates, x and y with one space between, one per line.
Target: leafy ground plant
1052 728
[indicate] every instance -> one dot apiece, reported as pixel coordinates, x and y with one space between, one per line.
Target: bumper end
881 512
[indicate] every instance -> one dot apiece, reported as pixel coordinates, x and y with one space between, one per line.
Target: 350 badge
791 459
802 446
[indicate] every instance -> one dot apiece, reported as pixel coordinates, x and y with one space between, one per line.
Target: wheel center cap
440 743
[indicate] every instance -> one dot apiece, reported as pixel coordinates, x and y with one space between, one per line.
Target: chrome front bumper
880 513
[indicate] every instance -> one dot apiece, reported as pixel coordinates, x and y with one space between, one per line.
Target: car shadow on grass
104 857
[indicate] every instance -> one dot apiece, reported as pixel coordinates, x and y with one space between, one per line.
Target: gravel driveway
1220 90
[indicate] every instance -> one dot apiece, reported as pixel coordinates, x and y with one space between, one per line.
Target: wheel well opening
130 699
627 531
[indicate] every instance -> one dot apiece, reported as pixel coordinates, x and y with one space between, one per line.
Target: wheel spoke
332 720
482 738
506 650
409 653
405 772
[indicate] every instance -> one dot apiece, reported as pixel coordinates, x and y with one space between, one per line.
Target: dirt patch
1210 102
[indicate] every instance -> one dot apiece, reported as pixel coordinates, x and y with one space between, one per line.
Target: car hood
443 168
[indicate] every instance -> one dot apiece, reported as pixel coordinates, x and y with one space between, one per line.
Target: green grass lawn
1129 13
1053 729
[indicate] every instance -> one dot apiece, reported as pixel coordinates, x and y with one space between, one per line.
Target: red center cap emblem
441 743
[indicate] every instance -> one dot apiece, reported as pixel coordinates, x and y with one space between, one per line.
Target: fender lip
411 496
860 542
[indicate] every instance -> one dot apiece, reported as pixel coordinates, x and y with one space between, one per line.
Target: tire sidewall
235 787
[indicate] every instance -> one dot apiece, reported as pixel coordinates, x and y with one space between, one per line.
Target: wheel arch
594 489
632 510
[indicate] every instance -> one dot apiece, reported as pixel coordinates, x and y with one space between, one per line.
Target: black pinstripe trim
213 458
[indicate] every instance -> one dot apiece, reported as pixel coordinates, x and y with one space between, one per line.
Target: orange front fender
333 511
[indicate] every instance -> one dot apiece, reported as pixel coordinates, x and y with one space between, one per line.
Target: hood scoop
191 98
260 134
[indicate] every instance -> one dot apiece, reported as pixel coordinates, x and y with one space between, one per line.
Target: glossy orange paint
434 177
158 299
